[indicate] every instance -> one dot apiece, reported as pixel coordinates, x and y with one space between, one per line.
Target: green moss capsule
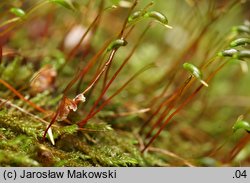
136 16
195 72
158 17
241 29
18 12
242 54
240 42
228 52
116 44
240 124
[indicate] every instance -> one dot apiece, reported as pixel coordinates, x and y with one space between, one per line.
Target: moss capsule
240 124
158 17
135 16
228 52
242 54
116 44
18 12
241 29
195 72
240 42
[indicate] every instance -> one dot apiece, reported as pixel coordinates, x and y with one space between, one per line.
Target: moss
11 158
21 136
15 73
110 137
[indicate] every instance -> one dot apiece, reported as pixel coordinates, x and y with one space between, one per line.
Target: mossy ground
21 145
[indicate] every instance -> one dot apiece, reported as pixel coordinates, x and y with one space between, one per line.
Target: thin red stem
7 85
84 121
116 93
173 97
180 108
